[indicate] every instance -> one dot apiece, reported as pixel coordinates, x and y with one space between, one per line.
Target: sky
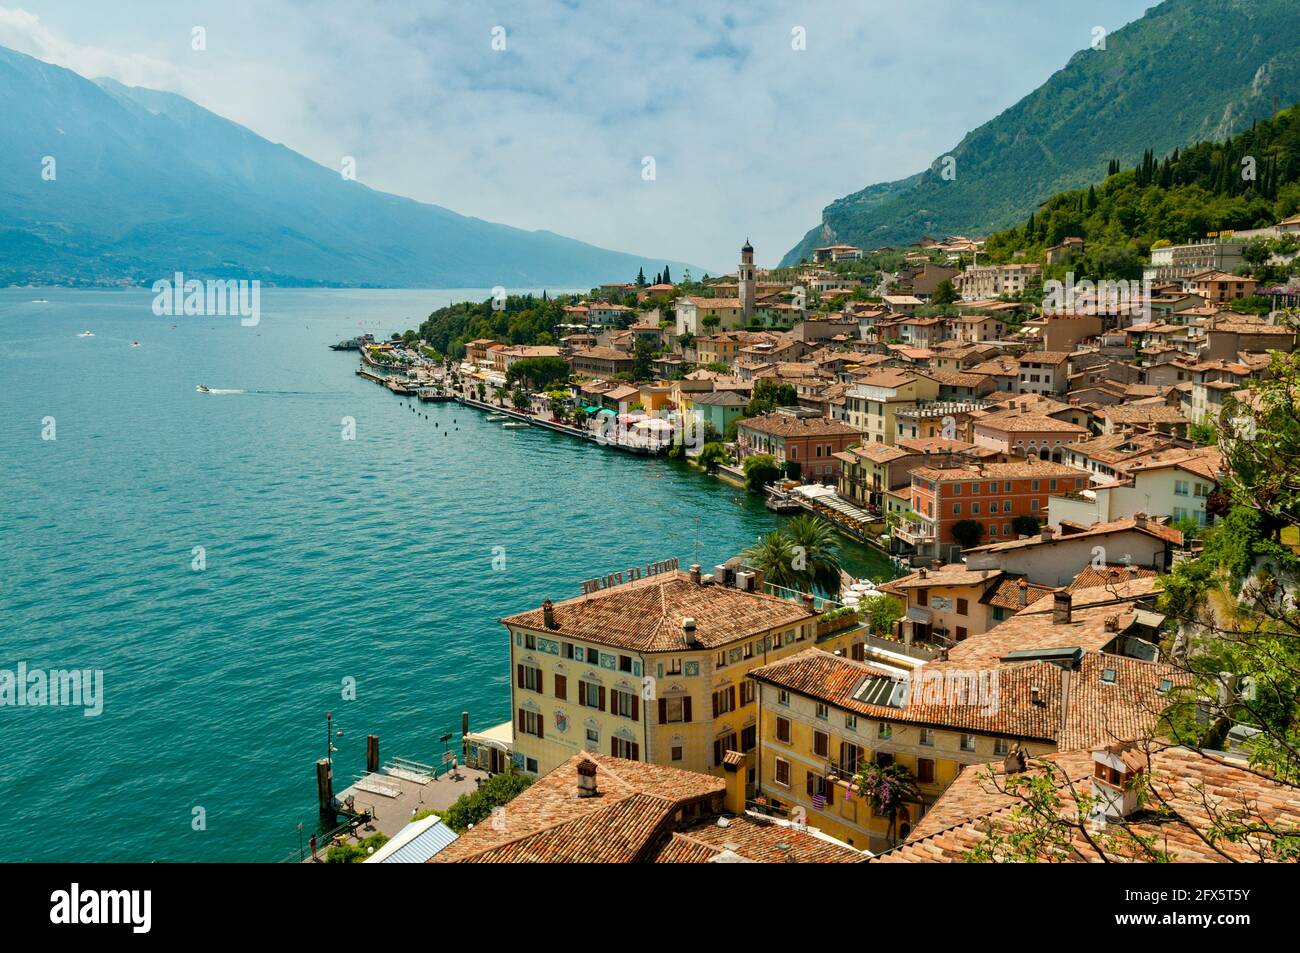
749 135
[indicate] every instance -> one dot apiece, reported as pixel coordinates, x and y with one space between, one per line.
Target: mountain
1189 70
147 183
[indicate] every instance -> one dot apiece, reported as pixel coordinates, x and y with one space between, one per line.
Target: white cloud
751 138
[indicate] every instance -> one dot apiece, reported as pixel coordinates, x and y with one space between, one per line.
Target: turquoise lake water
326 559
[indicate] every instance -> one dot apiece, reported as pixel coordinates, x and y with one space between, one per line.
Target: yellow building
951 603
870 406
652 669
823 717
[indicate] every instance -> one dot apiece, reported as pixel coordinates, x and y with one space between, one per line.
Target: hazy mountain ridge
1189 70
147 183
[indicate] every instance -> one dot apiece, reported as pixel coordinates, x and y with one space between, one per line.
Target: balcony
915 534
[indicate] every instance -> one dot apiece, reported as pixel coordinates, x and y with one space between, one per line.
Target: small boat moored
203 389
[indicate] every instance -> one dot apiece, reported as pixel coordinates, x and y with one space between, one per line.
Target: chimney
688 624
1023 593
1140 520
695 573
809 603
1112 623
1062 604
936 563
1116 771
733 766
1015 761
921 572
548 614
587 778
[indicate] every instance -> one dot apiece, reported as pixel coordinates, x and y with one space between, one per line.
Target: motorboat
203 389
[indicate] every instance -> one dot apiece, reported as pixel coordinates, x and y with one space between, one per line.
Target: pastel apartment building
794 436
872 404
651 669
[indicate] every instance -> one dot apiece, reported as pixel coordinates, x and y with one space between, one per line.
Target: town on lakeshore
1037 458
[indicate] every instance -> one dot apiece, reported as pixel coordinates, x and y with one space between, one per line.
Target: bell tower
745 281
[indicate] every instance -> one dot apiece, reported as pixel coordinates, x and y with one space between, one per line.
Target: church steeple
745 281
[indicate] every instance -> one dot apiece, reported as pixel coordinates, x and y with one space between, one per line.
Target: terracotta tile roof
1134 413
777 424
1018 469
646 614
548 823
953 574
877 452
603 354
1006 593
1032 700
1015 421
1150 527
1185 783
749 839
1091 577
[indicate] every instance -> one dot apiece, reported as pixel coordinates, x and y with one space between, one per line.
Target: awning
918 615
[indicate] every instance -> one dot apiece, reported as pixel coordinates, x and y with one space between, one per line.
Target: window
749 738
674 666
884 759
747 692
821 744
885 730
561 687
823 712
724 700
925 770
566 649
530 722
967 742
624 704
783 730
591 695
1180 487
530 677
956 509
677 752
1000 746
593 739
530 640
675 708
962 606
851 722
722 660
927 737
783 772
999 613
620 748
783 697
530 765
721 746
748 650
961 633
975 508
922 597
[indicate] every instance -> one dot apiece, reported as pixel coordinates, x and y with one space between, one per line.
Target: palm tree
817 548
774 555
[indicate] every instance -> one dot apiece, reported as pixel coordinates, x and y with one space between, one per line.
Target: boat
40 301
497 418
135 343
353 344
86 334
203 389
514 425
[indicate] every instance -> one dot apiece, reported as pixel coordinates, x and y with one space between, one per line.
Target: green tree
774 555
816 547
344 853
881 613
760 470
477 806
967 533
519 398
1025 525
888 789
538 373
944 294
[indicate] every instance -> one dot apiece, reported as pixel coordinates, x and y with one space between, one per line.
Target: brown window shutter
561 687
601 706
636 708
521 719
636 751
521 675
715 704
844 753
830 794
613 745
810 784
717 753
686 708
541 733
731 696
663 711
